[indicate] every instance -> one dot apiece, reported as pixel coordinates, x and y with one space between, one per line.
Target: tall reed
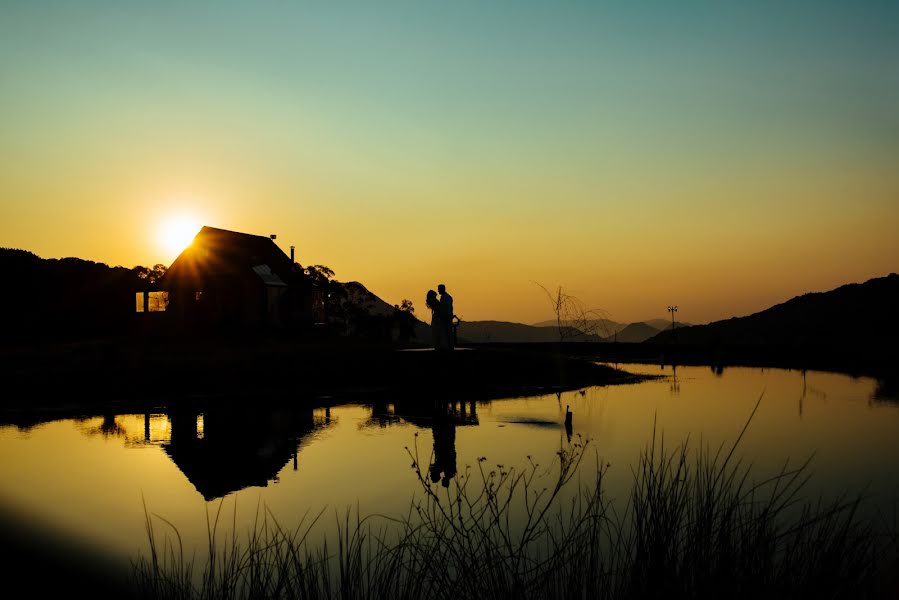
697 524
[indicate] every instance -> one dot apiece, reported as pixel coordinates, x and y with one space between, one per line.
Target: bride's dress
438 331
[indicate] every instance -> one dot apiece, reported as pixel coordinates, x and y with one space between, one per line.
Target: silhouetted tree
573 318
319 274
341 311
150 274
405 319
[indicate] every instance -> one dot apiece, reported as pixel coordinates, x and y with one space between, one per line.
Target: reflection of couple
444 429
441 317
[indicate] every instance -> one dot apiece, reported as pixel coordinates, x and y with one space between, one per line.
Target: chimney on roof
291 254
273 236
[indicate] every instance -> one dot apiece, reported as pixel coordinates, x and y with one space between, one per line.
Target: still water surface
91 479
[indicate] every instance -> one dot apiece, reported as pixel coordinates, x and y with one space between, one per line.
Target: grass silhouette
696 524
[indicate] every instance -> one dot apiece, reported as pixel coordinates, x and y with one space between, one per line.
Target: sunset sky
720 156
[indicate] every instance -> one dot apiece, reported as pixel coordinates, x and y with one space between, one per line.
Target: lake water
89 481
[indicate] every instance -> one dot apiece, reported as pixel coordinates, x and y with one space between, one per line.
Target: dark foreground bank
880 361
62 376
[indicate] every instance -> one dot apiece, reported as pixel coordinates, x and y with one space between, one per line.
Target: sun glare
176 233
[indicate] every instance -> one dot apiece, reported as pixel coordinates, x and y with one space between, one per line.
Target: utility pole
672 310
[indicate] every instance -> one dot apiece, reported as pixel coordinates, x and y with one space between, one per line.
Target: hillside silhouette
851 325
854 314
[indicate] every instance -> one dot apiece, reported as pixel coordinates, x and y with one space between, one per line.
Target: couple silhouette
447 414
441 317
443 469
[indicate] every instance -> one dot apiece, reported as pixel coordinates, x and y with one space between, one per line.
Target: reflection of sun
176 233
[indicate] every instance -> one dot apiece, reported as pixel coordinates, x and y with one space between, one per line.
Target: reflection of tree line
887 390
109 427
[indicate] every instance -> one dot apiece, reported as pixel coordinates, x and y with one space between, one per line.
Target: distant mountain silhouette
855 317
663 324
600 327
508 332
635 333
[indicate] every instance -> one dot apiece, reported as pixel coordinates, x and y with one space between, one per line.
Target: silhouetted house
226 279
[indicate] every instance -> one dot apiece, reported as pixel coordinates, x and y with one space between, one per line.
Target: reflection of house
231 279
229 449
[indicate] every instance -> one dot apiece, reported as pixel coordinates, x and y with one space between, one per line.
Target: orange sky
716 158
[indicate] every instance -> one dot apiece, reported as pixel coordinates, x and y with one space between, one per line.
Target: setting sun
176 233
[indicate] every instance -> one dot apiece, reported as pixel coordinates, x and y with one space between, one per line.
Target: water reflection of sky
90 478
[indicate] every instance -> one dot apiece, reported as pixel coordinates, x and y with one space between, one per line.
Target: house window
198 296
157 301
151 301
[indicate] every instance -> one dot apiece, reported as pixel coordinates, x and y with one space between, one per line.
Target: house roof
219 253
217 470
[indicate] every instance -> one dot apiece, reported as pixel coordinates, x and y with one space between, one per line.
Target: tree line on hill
68 297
